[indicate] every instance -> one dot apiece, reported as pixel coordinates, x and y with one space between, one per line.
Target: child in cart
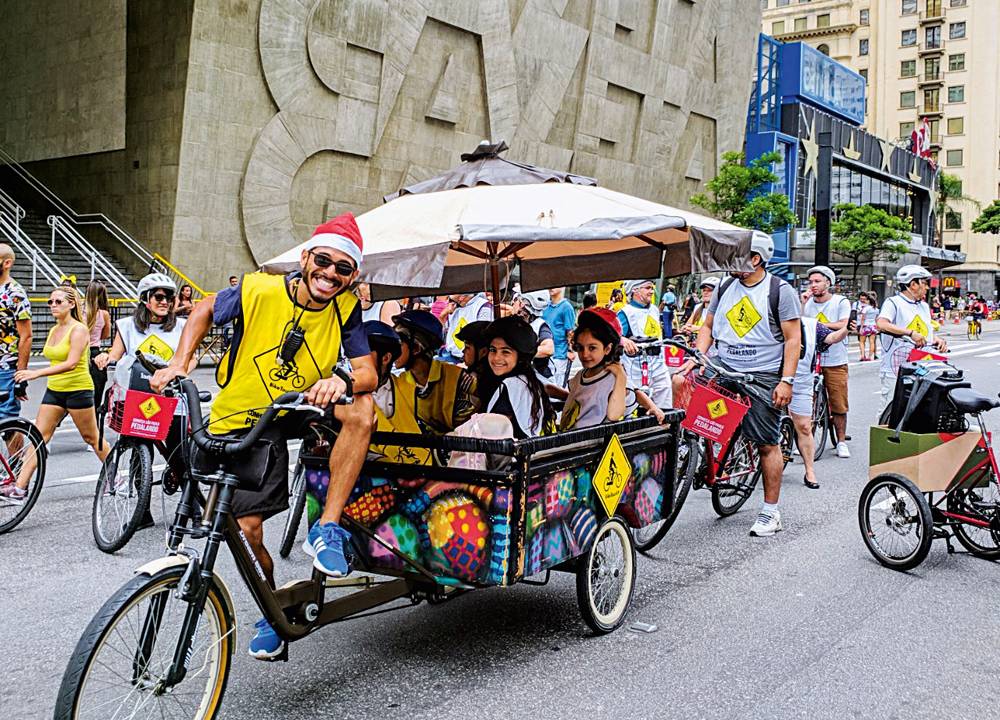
510 386
600 392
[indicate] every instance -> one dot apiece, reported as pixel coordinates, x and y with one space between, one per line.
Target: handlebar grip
148 364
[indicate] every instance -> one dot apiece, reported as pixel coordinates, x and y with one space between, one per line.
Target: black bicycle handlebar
701 359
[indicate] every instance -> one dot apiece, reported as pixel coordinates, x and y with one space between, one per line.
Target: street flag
920 140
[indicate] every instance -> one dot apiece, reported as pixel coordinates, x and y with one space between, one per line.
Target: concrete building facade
933 59
241 124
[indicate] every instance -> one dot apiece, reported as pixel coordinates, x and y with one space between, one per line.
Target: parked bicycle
19 440
933 485
728 466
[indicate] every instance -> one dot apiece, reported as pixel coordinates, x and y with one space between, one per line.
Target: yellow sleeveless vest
437 410
249 375
403 420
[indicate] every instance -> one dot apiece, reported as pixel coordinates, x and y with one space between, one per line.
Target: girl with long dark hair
99 327
514 389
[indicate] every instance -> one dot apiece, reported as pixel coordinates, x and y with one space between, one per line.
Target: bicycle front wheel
121 498
738 478
119 665
896 522
20 445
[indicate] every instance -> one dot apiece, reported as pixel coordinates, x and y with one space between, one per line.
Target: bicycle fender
171 561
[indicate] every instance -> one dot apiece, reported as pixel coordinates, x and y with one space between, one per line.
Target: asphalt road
805 624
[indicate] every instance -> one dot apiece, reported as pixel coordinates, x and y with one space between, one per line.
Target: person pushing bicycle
298 320
753 320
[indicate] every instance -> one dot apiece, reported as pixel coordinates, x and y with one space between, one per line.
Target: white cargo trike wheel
605 577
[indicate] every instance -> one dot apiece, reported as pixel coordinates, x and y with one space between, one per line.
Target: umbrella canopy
558 233
484 166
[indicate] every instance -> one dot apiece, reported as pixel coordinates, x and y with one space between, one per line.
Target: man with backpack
753 321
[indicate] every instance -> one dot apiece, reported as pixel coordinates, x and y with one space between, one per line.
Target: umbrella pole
495 281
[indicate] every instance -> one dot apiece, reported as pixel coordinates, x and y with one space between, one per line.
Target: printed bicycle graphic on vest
291 373
288 371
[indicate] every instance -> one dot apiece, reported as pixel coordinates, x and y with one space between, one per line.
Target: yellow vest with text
249 375
403 420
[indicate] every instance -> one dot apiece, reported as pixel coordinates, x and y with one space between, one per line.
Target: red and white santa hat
341 233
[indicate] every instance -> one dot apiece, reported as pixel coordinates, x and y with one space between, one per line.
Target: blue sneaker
325 544
266 645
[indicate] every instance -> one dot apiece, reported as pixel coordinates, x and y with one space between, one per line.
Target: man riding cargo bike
299 320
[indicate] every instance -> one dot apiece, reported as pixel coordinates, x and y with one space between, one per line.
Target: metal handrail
76 218
113 275
26 247
168 268
15 211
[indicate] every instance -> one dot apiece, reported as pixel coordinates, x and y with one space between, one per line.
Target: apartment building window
824 48
908 38
863 18
906 129
956 31
956 93
782 3
777 28
932 36
909 7
823 20
763 4
932 69
954 158
954 248
933 8
932 100
956 62
958 185
935 127
953 220
863 47
863 73
959 3
800 23
908 68
907 99
956 126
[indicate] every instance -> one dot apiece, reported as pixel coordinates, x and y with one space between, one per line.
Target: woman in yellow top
70 386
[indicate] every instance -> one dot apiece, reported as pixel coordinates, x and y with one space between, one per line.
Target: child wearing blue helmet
445 394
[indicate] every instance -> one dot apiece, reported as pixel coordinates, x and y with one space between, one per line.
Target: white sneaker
842 450
766 524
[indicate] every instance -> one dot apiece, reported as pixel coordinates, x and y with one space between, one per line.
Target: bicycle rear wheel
121 498
895 522
646 538
739 476
980 503
20 441
296 503
119 664
820 422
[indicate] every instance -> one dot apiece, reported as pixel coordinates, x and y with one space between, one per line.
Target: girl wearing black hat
515 390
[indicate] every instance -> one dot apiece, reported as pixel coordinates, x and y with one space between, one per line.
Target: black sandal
811 485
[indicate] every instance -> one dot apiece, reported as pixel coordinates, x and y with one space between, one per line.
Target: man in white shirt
833 311
753 320
904 315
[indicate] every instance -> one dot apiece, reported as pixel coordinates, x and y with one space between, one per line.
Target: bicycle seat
969 401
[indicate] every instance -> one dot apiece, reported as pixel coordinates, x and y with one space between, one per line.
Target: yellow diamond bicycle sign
612 475
717 408
149 408
743 317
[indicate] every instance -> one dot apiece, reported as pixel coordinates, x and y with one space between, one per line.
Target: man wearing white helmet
530 306
834 311
904 315
640 320
753 321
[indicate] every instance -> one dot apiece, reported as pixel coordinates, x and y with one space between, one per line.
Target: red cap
341 233
608 316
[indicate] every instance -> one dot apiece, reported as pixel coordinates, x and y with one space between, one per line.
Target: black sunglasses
162 297
342 267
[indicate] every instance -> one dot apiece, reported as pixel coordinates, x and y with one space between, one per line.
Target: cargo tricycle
564 502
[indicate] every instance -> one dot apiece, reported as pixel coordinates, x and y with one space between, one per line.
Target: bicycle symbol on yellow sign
743 317
717 408
612 475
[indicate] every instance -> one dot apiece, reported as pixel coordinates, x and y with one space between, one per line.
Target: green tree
864 234
949 198
989 220
735 194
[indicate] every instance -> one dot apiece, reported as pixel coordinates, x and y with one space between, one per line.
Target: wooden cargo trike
563 502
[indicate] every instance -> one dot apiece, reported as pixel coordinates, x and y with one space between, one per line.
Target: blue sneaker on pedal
266 645
326 546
